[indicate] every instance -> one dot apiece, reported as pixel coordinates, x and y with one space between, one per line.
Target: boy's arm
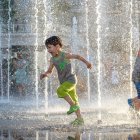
49 71
76 56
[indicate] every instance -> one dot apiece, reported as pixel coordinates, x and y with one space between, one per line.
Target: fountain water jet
131 65
37 135
47 135
36 53
45 32
1 72
74 38
88 45
137 23
9 46
98 56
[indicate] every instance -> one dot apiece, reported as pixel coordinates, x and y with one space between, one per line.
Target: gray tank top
64 69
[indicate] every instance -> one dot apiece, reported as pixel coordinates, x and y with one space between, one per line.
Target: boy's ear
58 46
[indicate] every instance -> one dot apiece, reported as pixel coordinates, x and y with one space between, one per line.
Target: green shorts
68 89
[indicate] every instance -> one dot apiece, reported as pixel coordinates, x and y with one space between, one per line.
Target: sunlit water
88 49
98 3
36 53
8 49
106 117
12 134
1 74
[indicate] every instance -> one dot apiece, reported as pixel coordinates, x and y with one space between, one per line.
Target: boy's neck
58 54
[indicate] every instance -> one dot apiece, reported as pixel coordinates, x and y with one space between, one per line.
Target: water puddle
18 134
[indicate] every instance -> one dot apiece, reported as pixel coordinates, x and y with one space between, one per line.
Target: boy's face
53 50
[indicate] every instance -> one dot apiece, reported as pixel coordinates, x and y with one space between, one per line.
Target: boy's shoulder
64 53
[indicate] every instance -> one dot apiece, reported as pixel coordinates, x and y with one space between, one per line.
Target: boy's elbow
50 71
77 56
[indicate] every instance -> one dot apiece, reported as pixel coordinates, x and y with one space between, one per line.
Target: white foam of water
131 27
37 135
98 54
87 40
45 32
36 53
74 38
1 73
9 46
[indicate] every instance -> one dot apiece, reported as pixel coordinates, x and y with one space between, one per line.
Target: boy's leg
68 92
74 97
69 100
63 92
72 93
64 89
79 120
131 100
135 102
137 85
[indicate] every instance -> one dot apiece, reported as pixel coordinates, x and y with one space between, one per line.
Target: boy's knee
61 92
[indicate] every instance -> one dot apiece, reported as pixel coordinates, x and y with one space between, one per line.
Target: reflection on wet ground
25 123
17 134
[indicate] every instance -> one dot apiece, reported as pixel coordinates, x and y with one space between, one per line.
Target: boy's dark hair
53 40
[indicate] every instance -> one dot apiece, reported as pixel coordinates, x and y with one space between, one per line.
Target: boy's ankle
72 109
79 116
76 103
78 122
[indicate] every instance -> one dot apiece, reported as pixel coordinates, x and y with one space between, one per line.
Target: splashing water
98 56
45 55
9 46
76 34
88 45
36 53
74 38
1 73
131 27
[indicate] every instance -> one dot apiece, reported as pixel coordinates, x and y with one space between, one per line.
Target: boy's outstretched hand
89 65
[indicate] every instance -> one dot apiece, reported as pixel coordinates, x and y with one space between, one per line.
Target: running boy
135 102
67 89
